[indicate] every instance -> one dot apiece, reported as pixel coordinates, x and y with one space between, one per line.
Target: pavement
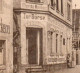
75 69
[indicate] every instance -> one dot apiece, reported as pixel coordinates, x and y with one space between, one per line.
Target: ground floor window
61 44
2 51
50 33
56 43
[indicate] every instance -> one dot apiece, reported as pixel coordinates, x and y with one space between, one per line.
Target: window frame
61 43
68 11
57 5
56 43
50 33
53 4
62 11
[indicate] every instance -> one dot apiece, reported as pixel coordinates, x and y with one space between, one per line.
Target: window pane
61 44
56 43
68 11
57 5
61 6
63 41
50 41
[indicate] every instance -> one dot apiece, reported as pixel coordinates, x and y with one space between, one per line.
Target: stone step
33 67
35 70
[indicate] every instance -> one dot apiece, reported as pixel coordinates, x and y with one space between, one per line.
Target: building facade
76 33
6 36
42 35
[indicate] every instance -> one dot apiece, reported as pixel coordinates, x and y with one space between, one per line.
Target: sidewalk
76 69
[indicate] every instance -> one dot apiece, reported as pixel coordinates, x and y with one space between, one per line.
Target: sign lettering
34 6
52 60
4 28
35 17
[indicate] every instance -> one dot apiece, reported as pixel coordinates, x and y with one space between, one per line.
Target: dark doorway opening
34 45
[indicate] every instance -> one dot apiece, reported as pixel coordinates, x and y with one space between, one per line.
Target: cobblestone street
76 69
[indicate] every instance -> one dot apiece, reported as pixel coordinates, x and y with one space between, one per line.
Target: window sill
62 14
68 19
52 7
52 54
34 2
57 11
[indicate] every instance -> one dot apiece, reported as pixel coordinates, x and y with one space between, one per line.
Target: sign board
32 16
4 28
53 60
39 6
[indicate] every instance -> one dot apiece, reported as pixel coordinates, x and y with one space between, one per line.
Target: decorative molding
44 12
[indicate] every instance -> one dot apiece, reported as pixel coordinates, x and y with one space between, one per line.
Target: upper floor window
62 6
57 5
68 11
33 0
51 2
0 5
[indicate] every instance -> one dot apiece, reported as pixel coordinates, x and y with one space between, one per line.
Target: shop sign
4 28
52 59
34 16
56 60
34 6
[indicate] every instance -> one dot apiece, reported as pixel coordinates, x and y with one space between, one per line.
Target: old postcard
39 36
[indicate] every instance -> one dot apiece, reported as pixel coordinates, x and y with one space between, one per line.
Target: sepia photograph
39 36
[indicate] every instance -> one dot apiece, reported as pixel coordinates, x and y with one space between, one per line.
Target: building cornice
44 12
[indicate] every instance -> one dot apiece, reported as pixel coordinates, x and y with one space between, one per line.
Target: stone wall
6 34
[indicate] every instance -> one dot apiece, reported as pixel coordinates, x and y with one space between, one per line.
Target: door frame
39 37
